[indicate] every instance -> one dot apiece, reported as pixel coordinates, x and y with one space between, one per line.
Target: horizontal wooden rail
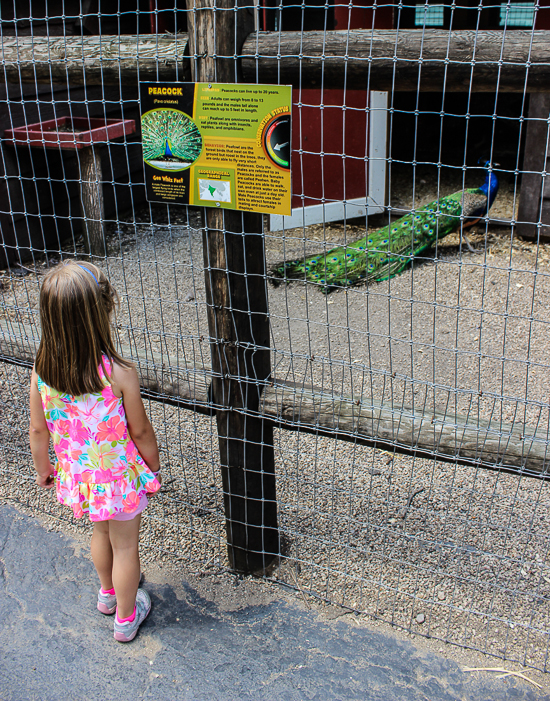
19 344
494 445
410 59
93 60
379 59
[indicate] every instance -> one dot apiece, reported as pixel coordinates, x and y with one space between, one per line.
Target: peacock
170 135
382 254
168 150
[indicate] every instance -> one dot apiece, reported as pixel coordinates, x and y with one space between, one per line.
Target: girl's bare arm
39 437
125 381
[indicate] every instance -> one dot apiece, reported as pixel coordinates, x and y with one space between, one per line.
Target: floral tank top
99 470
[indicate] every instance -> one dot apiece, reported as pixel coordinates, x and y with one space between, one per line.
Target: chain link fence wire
439 541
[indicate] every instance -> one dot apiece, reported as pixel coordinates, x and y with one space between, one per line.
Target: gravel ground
448 551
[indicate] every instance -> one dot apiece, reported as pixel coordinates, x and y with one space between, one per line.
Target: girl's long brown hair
75 314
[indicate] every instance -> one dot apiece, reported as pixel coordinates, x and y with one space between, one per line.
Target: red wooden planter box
70 132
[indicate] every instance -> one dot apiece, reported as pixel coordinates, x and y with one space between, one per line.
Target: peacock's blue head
490 186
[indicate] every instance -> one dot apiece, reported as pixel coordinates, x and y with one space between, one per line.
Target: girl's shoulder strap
105 369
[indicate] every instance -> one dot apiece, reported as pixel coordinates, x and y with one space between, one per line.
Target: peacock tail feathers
384 253
170 134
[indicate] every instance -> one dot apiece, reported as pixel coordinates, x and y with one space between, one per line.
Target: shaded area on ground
202 640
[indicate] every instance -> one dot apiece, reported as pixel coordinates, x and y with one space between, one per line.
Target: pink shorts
124 516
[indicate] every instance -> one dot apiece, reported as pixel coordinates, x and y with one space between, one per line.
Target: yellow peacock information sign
217 145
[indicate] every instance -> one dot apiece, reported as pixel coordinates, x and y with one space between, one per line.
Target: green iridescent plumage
170 135
386 252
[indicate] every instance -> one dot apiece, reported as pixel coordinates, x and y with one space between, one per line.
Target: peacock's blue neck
490 187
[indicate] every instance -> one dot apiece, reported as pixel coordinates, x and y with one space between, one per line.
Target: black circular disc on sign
277 141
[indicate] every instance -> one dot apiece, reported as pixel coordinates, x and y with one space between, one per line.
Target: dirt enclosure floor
456 553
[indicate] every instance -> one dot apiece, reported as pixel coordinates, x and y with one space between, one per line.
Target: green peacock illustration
384 253
170 136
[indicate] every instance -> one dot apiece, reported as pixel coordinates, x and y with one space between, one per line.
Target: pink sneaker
106 603
124 632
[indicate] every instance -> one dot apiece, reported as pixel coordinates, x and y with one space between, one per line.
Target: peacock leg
470 247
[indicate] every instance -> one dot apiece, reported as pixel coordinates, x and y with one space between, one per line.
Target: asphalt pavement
211 637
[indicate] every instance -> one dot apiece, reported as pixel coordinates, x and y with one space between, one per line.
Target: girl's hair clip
88 271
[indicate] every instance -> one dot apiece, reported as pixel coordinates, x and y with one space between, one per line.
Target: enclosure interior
426 540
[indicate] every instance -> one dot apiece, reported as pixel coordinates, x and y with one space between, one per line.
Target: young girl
86 398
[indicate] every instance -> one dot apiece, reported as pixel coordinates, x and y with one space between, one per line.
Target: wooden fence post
531 198
236 297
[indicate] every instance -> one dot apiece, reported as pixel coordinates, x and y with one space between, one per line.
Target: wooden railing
462 439
378 59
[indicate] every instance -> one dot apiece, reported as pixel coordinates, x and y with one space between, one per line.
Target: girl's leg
102 554
126 570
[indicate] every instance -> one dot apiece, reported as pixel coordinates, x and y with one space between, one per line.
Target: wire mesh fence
409 414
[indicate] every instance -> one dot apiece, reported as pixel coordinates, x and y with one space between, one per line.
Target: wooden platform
39 188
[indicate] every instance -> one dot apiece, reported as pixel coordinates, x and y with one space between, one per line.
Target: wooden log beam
410 59
158 380
494 445
405 59
94 60
513 448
